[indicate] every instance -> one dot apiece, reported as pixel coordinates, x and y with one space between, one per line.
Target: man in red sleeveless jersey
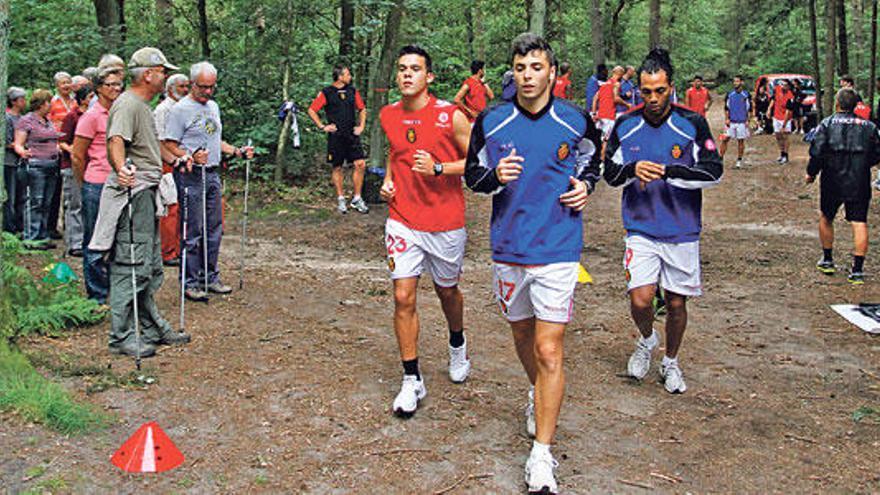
425 231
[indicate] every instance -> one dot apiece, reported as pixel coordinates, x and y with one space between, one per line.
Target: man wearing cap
131 136
16 102
192 128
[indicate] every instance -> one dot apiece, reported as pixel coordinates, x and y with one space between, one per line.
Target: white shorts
779 126
410 252
606 126
737 130
545 292
675 266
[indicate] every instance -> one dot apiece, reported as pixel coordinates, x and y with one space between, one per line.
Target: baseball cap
149 57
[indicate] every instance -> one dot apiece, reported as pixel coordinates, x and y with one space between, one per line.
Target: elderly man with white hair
194 129
176 87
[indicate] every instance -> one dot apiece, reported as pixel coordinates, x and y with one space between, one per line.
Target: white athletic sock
539 449
340 197
667 361
356 198
652 341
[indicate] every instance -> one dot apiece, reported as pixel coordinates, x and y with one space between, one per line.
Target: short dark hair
698 77
82 93
564 68
338 70
526 43
601 68
848 78
847 99
476 65
417 50
657 60
740 77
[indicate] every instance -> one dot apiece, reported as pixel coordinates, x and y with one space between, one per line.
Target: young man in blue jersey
737 109
537 156
663 155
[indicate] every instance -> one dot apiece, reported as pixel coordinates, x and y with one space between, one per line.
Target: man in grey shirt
16 102
131 135
194 128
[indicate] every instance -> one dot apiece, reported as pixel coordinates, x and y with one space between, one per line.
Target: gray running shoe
360 205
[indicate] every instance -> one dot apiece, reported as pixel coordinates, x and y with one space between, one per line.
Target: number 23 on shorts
395 244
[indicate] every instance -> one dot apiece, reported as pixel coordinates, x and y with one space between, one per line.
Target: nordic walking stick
183 261
205 224
134 292
244 220
27 208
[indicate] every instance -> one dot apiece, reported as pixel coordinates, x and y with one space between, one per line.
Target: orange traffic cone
149 450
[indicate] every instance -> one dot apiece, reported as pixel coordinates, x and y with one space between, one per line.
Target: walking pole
183 261
205 224
244 220
27 209
134 292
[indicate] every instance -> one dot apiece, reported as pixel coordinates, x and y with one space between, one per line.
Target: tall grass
35 398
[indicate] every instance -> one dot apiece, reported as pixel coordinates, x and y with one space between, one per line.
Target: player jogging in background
697 97
474 94
562 86
604 104
537 157
663 155
737 109
780 109
425 231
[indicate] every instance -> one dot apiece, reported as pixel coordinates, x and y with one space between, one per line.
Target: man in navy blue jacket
537 156
663 155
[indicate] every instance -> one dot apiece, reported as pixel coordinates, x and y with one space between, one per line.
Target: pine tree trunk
598 39
165 28
346 33
859 42
873 81
4 49
654 24
478 30
538 17
203 28
830 55
110 22
289 27
616 45
814 45
843 42
379 87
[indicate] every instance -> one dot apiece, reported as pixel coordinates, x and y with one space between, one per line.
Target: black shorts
343 148
856 209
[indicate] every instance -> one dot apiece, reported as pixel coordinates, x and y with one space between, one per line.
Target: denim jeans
95 270
42 177
13 207
195 234
73 228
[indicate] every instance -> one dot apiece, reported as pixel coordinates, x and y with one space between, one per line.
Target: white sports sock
540 449
340 197
667 361
652 341
356 198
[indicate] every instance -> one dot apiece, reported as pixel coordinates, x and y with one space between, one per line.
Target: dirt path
287 384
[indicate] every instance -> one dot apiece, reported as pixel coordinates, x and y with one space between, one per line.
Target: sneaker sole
542 491
462 380
826 271
856 282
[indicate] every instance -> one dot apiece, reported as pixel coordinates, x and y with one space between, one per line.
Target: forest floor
287 385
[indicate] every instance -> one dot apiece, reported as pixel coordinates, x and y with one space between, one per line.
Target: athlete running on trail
537 156
425 228
780 110
663 154
697 97
737 109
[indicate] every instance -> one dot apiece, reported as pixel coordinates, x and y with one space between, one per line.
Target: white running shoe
340 205
412 390
739 164
640 361
530 413
459 363
539 474
359 205
672 377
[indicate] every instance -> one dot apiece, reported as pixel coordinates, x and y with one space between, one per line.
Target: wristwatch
438 168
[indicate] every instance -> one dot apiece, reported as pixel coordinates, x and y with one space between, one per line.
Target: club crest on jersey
676 151
329 157
342 95
443 117
563 151
391 264
411 135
